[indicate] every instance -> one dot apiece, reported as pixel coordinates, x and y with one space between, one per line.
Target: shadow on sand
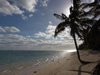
80 70
95 70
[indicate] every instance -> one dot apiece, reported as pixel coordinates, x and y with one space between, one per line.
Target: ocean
14 60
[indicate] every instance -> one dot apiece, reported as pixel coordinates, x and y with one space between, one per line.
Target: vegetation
82 23
92 38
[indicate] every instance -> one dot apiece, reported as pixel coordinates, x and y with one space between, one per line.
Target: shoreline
26 68
71 66
67 65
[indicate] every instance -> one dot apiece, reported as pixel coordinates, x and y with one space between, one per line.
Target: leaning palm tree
95 8
78 24
95 13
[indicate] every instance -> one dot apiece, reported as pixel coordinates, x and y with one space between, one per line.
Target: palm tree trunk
76 6
78 55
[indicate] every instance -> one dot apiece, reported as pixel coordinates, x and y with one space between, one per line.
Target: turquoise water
23 62
10 57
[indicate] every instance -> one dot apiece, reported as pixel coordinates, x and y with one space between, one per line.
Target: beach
67 65
71 66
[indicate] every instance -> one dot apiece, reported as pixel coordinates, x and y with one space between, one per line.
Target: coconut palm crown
78 21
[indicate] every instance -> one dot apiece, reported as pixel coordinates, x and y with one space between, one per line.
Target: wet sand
68 65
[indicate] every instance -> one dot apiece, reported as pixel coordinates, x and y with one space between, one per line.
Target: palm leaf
76 4
93 4
96 15
89 13
64 16
60 28
58 16
88 21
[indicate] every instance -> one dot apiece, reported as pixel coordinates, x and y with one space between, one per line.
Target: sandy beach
68 65
71 65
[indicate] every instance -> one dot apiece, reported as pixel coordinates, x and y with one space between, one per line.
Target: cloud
2 29
30 15
40 34
44 3
49 33
41 41
12 29
9 29
24 17
50 22
29 5
9 9
87 1
16 6
19 42
63 40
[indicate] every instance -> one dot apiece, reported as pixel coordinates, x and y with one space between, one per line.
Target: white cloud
50 29
40 34
49 33
14 6
9 9
63 40
30 15
87 1
12 29
9 29
50 22
19 42
29 5
2 29
44 3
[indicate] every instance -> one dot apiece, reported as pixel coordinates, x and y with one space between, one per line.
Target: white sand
68 65
71 66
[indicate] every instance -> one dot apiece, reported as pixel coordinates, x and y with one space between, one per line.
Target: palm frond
98 7
76 28
79 19
85 5
88 21
89 13
64 16
61 17
93 12
60 28
97 13
76 4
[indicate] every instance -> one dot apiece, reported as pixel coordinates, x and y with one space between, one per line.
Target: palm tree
78 24
95 8
95 13
94 36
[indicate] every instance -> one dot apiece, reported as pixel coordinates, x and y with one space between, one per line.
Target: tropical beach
49 37
71 65
68 64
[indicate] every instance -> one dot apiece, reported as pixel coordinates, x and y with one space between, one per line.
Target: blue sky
30 25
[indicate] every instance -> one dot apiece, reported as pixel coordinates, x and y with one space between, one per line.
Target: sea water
11 60
10 57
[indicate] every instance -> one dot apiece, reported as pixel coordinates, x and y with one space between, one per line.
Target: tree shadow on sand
80 70
94 70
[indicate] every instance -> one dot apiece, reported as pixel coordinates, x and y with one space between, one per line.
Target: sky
30 25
